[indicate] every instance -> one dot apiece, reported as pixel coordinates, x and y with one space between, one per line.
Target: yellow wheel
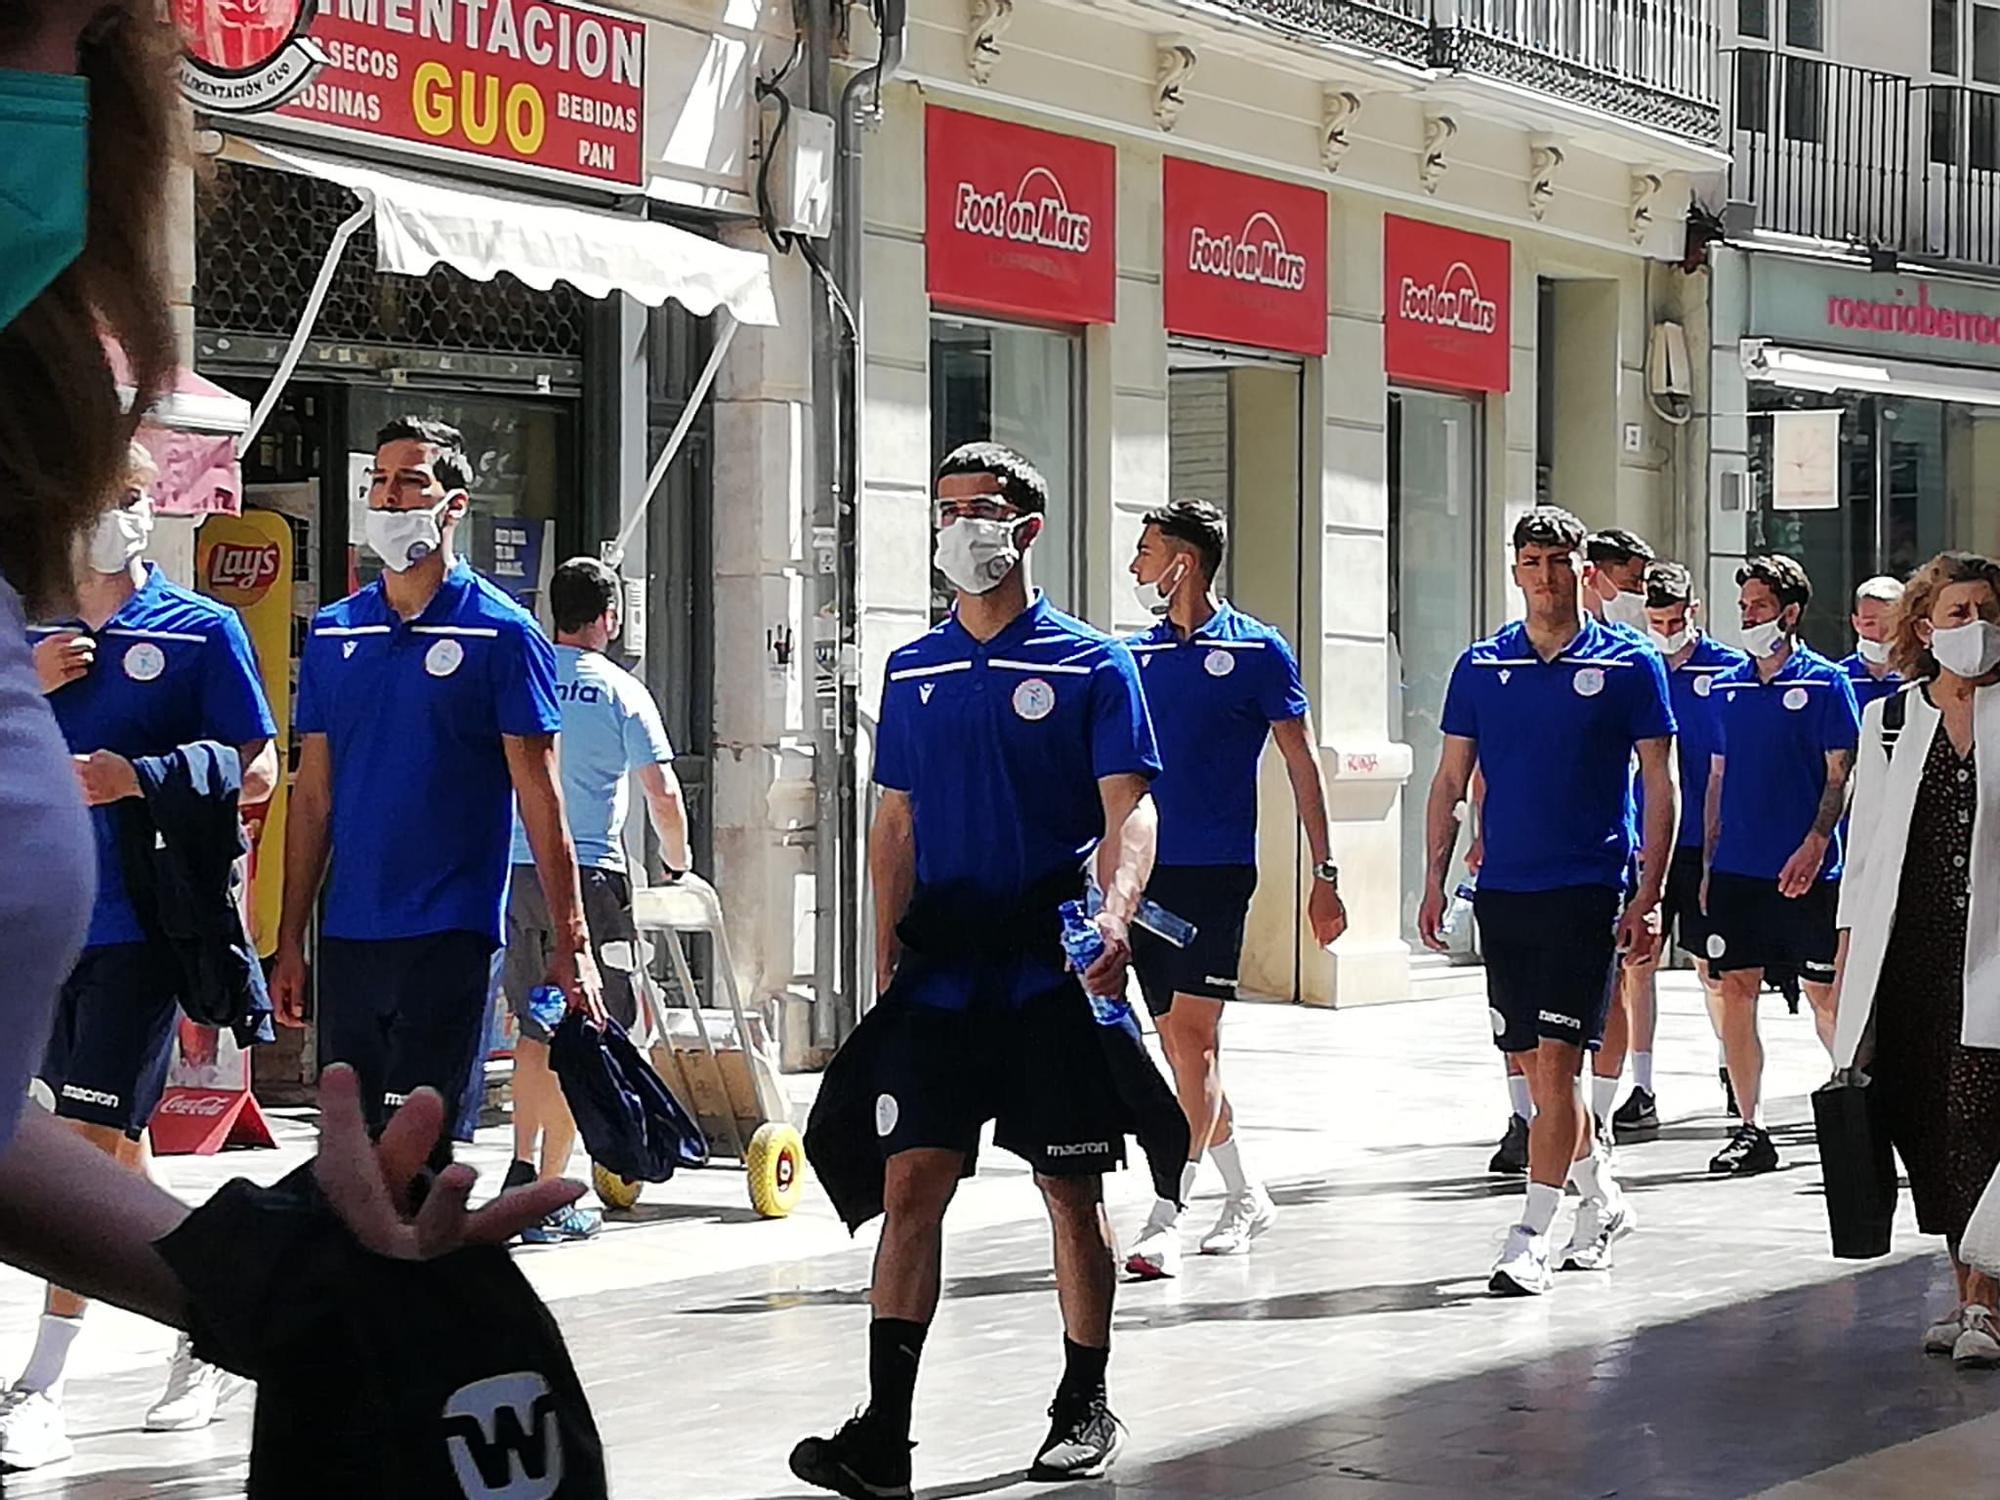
776 1164
614 1192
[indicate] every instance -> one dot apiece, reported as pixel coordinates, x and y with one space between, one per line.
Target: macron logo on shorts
1081 1148
1550 1018
90 1096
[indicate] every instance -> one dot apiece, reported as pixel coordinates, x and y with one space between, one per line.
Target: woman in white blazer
1918 976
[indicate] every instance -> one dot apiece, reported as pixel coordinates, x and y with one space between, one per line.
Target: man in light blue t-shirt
611 736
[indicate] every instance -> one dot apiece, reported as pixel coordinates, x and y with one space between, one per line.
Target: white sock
1188 1174
1543 1201
1603 1095
1642 1071
1230 1165
1521 1096
1593 1179
45 1365
1721 1055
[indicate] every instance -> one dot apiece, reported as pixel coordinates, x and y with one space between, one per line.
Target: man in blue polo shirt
427 706
1874 620
1219 685
1551 710
1776 797
144 667
1694 661
1012 740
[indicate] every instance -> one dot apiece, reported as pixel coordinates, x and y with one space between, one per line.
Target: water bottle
1458 911
1084 945
1163 924
546 1004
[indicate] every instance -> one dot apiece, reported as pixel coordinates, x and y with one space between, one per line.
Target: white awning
424 222
1816 370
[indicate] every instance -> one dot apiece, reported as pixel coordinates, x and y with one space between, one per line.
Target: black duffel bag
1857 1164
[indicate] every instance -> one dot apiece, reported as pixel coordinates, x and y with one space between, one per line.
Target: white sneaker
1244 1217
32 1432
1523 1267
1156 1255
194 1390
1599 1226
1942 1336
1978 1346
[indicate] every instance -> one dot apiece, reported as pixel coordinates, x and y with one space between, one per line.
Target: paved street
1354 1355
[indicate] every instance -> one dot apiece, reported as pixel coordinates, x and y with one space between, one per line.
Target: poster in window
1805 460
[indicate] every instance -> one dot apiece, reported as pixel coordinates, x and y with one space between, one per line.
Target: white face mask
404 538
119 536
1670 645
1969 650
1626 609
1763 640
974 554
1157 597
1872 652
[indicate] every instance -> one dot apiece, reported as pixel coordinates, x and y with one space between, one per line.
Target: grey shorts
607 907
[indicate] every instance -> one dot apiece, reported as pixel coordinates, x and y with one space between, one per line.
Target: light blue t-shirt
610 728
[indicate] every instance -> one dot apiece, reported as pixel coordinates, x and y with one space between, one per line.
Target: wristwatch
1328 871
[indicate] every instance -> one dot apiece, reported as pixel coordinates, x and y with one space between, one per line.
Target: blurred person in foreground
1917 981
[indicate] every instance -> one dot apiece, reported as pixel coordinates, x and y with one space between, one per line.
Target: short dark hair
1197 524
581 590
452 467
1668 584
1021 483
1614 544
1782 575
1548 526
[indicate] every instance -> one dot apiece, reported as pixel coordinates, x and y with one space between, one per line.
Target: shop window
1022 387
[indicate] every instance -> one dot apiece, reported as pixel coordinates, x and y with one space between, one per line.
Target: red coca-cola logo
240 573
203 1106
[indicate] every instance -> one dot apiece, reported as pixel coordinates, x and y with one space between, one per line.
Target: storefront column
1125 403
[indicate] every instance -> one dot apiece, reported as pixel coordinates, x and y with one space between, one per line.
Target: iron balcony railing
1400 29
1650 61
1958 180
1822 150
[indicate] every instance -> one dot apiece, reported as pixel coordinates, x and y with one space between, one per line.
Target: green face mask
44 182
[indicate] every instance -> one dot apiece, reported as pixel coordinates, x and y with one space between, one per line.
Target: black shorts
1035 1070
113 1040
405 1013
607 907
1551 963
1216 898
1755 926
1681 906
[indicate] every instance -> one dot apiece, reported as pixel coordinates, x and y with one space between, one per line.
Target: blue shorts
108 1055
405 1013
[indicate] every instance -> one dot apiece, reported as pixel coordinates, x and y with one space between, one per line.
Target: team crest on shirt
1218 663
1703 686
144 662
443 658
1589 682
347 649
1034 699
1795 698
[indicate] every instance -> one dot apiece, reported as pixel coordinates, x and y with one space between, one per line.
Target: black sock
1083 1371
895 1345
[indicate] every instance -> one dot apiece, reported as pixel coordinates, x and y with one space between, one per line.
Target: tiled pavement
1354 1355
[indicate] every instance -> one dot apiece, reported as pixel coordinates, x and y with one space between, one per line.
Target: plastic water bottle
1084 945
546 1004
1458 911
1163 924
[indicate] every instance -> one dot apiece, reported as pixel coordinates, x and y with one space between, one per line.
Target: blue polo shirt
1000 747
1555 742
413 713
1214 697
1867 687
1776 736
172 667
1697 713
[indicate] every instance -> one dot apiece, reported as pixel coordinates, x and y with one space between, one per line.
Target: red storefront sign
1019 221
1245 258
1446 306
544 86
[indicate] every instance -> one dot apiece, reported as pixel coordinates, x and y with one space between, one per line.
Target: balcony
1395 29
1959 176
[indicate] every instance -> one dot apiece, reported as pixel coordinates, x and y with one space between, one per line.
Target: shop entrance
1235 438
1435 605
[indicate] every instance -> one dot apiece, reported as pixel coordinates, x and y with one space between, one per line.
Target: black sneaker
519 1174
1084 1438
1749 1151
1638 1118
1511 1160
1729 1094
863 1461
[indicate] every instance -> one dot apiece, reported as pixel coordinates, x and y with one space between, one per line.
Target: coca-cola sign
1245 258
1019 221
1446 316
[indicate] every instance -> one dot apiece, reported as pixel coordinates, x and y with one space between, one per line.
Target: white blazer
1885 798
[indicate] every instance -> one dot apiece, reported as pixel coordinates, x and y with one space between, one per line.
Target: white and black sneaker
1599 1226
863 1461
1638 1118
1084 1439
1523 1267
